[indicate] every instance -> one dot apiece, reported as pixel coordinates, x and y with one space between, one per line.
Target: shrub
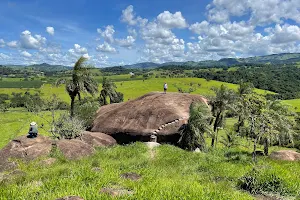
86 113
263 181
68 128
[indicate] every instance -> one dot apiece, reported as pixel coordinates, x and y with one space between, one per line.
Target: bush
68 128
263 181
86 113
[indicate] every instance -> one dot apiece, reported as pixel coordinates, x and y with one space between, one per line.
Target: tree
244 89
223 101
192 134
109 90
82 81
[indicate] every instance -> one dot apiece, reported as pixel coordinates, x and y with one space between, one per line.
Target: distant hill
142 65
284 58
48 68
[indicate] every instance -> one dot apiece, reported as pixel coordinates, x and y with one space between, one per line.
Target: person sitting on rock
33 130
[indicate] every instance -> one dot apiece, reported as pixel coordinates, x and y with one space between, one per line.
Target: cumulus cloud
127 42
50 30
12 44
129 17
28 41
105 47
261 12
284 34
170 20
2 43
78 49
26 54
4 56
108 33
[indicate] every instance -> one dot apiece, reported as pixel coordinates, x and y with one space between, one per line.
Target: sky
115 32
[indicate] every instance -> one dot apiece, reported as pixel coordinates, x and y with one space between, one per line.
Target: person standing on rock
165 88
33 130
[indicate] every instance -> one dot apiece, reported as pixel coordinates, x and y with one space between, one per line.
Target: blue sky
124 32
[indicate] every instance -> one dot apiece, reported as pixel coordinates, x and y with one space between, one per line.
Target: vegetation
81 81
192 134
286 85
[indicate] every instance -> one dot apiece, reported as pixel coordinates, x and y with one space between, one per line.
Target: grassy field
16 122
135 88
172 174
294 103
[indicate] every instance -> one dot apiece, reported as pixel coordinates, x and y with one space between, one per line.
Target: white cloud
106 48
128 42
2 43
28 41
200 28
26 54
261 12
108 33
87 56
128 16
50 30
284 34
170 20
12 44
4 56
78 49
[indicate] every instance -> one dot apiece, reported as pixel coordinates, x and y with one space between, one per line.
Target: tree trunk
254 150
266 146
72 105
79 96
215 129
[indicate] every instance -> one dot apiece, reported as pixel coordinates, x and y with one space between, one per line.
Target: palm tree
82 81
223 101
192 134
244 89
108 90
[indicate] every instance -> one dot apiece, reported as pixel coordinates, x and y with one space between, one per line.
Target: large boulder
97 139
288 155
74 148
154 113
24 148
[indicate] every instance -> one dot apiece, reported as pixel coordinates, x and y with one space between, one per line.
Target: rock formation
156 114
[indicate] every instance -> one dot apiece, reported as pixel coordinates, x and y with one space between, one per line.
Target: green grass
172 174
294 103
21 84
16 122
136 88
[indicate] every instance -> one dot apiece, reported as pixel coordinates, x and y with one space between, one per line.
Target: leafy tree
82 81
86 113
223 101
244 89
192 134
109 90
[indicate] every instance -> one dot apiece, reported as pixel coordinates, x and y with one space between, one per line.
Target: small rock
176 120
131 175
97 169
163 126
173 122
117 191
197 150
157 131
70 198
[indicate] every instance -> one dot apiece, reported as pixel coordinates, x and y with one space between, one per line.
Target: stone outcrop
31 148
288 155
24 148
152 114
